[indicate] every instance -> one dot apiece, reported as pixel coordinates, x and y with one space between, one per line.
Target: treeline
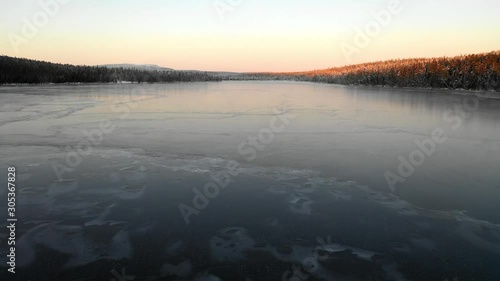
25 71
471 72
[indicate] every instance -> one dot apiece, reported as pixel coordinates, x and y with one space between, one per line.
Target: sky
245 35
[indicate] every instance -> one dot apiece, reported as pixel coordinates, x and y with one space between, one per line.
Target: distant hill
26 71
148 67
471 72
154 67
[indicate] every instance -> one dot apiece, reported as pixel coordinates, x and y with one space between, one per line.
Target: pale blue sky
254 35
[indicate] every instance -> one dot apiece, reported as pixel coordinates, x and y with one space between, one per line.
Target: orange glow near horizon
248 38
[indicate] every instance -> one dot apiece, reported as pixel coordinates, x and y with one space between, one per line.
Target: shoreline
491 94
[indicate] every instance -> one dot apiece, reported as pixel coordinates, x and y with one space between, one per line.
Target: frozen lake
251 180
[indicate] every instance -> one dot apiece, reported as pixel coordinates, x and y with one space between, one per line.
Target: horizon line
260 72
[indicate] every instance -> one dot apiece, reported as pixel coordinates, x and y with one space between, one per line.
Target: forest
26 71
470 72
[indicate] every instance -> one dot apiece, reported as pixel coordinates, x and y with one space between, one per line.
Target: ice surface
323 175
